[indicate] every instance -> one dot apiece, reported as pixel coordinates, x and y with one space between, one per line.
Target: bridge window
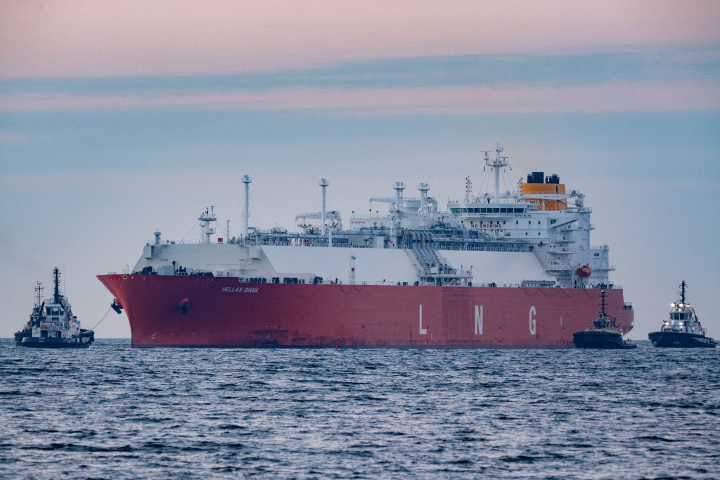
503 210
518 210
483 210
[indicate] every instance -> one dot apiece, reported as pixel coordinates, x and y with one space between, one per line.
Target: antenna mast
206 220
39 288
323 183
495 166
682 291
247 181
56 279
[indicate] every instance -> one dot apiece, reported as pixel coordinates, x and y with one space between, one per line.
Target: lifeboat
584 272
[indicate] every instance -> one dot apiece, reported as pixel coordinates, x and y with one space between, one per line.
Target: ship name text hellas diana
497 270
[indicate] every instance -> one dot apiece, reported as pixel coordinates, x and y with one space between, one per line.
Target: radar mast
495 166
56 290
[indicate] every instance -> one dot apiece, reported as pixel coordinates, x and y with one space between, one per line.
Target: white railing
368 216
481 248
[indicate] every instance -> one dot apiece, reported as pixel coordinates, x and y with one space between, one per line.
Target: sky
120 118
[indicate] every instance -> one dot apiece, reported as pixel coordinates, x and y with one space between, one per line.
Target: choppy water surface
116 412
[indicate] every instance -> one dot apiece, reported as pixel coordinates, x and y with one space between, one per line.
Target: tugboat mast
39 288
602 298
56 279
682 292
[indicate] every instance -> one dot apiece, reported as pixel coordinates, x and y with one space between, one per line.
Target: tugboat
53 325
604 335
683 329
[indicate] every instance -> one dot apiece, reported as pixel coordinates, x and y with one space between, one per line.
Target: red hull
224 313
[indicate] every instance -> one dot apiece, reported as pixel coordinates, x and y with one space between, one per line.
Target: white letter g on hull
532 321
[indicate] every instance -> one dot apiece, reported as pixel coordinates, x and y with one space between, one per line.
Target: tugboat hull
680 340
599 339
20 335
45 342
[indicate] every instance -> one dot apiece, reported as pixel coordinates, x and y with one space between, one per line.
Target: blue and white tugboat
53 325
683 329
605 333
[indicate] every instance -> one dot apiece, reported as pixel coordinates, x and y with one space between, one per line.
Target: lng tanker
494 270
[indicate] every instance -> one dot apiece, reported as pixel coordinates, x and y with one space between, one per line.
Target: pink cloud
610 97
11 137
90 38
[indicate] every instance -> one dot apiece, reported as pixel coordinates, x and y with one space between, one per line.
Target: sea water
111 411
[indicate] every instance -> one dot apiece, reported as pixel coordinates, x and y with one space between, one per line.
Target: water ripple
114 412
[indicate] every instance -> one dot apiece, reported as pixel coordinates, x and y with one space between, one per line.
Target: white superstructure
535 235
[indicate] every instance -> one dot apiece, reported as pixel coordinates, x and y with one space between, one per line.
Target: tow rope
101 320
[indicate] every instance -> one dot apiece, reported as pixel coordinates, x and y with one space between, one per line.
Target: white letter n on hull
478 320
423 331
